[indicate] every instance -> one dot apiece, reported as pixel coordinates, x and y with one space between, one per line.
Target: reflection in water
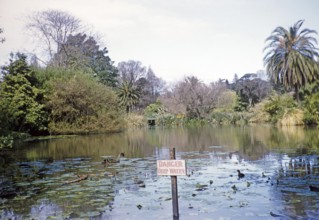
279 166
294 177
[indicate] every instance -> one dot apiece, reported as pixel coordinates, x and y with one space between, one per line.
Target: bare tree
131 71
2 39
155 84
53 28
218 93
150 87
170 100
193 97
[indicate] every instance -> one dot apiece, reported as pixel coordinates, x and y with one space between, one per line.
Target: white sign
171 167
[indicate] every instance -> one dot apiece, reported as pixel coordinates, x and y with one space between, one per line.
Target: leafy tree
82 105
21 101
83 52
291 57
128 94
251 89
155 110
53 28
240 105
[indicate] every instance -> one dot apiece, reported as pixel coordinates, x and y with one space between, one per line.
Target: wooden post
174 189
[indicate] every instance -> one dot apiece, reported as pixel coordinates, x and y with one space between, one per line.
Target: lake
75 177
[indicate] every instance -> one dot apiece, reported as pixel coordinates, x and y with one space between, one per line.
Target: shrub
82 105
277 106
135 120
6 141
292 117
311 105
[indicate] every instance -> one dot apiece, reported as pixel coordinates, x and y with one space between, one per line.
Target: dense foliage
277 106
80 90
55 101
251 89
82 105
81 52
311 103
128 95
22 106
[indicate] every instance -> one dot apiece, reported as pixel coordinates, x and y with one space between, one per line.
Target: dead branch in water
83 177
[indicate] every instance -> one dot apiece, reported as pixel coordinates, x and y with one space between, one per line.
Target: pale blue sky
210 39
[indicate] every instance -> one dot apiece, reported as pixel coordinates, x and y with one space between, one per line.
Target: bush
218 117
277 106
259 115
135 120
311 105
292 117
82 105
6 141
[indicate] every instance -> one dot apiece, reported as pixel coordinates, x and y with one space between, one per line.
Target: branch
84 177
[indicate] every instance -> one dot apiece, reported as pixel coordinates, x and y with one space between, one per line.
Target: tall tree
21 101
235 79
252 90
83 52
53 28
193 97
134 75
291 56
131 71
150 87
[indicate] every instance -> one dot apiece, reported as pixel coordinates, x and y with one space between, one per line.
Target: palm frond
291 56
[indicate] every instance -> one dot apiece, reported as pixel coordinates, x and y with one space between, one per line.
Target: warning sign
171 167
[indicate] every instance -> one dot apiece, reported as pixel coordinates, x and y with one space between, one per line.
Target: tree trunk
297 94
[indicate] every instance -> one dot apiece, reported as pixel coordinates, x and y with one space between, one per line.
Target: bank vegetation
77 89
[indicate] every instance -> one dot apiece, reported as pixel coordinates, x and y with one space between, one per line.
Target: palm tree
291 57
128 94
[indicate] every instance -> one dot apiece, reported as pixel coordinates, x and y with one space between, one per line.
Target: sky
209 39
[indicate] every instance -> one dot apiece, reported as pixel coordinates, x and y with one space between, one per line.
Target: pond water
67 179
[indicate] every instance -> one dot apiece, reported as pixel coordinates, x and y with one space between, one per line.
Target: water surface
279 165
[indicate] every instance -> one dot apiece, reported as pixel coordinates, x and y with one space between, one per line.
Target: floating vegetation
119 190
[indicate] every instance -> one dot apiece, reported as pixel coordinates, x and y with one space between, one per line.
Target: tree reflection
252 142
36 170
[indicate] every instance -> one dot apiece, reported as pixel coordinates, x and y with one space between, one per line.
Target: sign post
174 188
172 168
